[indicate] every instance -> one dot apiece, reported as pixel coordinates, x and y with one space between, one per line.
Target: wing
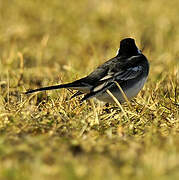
108 81
118 69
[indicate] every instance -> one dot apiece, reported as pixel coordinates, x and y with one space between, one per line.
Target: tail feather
78 85
49 88
78 93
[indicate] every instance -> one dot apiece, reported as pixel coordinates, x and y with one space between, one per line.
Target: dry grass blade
117 102
20 55
123 94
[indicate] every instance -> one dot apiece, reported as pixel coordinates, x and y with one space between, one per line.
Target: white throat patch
117 52
139 51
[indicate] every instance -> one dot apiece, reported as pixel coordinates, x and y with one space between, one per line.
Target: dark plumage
129 68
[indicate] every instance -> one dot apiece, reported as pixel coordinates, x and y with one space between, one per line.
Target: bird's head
128 48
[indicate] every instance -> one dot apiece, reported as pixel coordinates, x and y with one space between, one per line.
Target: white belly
130 92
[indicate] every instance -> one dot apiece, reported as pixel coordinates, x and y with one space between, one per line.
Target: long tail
78 85
49 88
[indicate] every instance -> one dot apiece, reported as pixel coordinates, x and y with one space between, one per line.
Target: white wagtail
129 68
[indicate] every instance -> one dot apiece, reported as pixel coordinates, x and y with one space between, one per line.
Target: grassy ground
46 135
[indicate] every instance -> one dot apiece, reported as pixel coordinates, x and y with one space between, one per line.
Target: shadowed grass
47 135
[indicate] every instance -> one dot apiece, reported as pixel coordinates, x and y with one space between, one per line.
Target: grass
47 135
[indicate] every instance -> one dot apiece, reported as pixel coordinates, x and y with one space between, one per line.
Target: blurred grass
48 136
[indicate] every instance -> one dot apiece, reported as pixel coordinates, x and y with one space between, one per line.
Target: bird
129 68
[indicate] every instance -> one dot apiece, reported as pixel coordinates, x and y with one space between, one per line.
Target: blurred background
46 136
59 36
